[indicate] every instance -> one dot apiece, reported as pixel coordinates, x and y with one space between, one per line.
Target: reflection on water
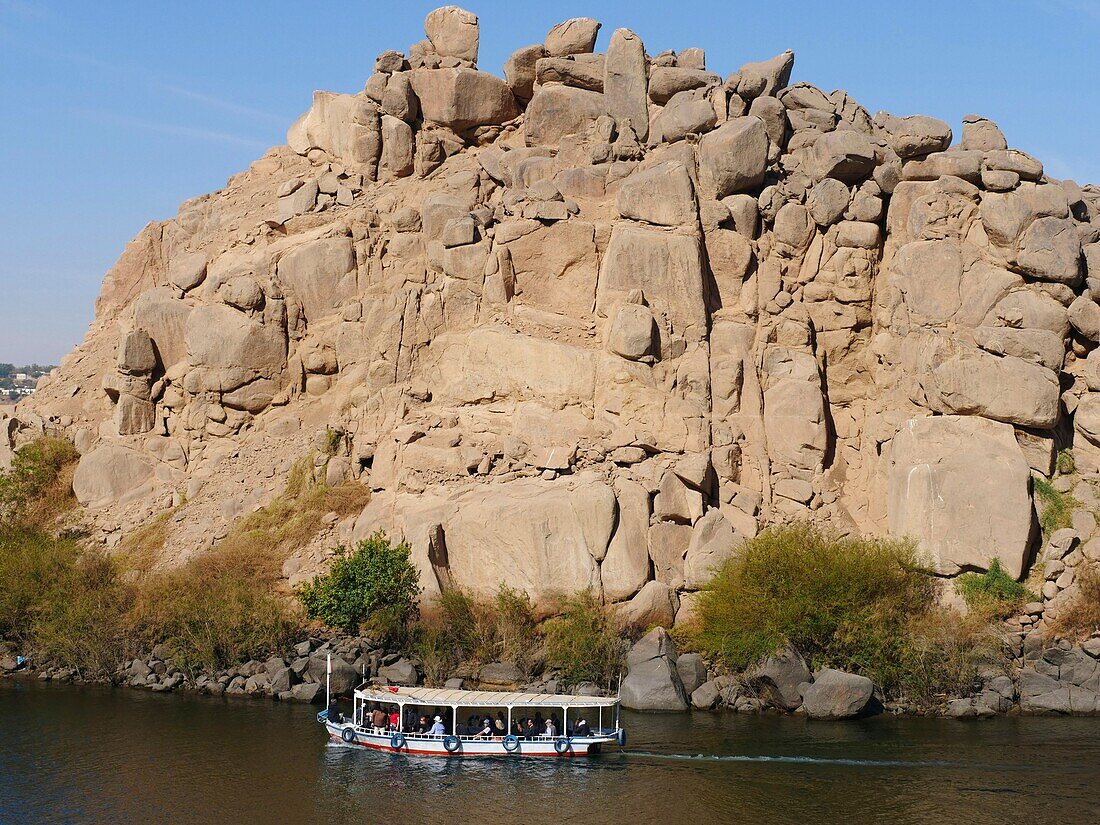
89 755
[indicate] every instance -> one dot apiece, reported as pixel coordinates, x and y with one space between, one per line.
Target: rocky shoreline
1046 678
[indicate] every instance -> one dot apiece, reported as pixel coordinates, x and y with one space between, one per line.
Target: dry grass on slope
1080 618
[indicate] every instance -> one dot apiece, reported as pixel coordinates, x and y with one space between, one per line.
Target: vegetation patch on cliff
993 594
1055 508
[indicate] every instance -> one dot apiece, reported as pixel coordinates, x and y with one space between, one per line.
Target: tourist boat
451 705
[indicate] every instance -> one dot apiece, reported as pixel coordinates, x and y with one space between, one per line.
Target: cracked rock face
593 324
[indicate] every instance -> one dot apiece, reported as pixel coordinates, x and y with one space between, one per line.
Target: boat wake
805 760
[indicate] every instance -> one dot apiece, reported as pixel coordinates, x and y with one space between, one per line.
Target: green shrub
842 602
1055 509
374 588
31 562
517 630
1065 463
67 605
993 594
584 642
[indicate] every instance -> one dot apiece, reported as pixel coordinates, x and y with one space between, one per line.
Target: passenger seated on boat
551 729
423 726
395 719
437 728
500 724
486 729
334 714
529 729
582 729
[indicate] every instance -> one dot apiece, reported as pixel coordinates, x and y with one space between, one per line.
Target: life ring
511 743
561 744
397 741
451 743
622 737
348 735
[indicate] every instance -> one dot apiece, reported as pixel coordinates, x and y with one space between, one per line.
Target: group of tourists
440 723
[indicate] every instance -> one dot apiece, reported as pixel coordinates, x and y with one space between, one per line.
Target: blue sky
114 112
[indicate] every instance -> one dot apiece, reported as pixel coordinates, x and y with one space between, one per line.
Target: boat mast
328 681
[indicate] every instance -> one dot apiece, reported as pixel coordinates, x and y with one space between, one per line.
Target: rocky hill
591 324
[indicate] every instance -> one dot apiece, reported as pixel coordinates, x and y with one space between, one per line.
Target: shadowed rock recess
591 324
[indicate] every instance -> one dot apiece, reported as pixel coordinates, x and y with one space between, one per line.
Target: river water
93 754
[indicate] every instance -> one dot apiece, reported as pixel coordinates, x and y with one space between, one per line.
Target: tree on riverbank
372 587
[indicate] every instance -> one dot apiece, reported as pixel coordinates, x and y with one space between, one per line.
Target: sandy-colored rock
733 157
626 83
713 542
835 694
453 32
655 605
108 473
959 486
557 111
661 195
541 538
519 70
668 268
575 36
463 98
652 682
320 274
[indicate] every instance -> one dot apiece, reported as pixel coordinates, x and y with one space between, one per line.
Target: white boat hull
426 745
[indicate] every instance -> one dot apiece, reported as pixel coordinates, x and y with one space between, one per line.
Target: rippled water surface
91 755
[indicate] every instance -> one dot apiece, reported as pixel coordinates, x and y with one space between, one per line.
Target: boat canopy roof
478 698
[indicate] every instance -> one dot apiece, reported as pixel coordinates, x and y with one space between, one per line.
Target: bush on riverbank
373 587
498 629
584 641
464 629
220 608
857 604
77 606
